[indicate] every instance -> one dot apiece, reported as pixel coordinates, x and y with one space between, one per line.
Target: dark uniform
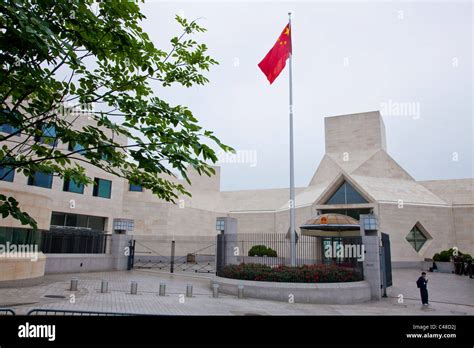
422 284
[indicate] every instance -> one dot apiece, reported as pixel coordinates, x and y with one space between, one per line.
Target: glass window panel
96 223
7 128
346 194
338 197
82 221
102 188
48 135
77 148
416 238
41 179
71 186
135 188
58 219
71 220
3 235
352 196
7 173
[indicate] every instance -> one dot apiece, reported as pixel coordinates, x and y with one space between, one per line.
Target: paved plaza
449 295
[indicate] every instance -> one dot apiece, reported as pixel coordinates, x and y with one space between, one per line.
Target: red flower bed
300 274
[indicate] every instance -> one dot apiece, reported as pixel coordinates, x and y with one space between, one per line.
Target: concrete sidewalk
449 295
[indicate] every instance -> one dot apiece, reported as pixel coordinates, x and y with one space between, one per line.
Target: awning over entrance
330 222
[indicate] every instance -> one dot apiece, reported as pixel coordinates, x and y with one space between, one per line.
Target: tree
60 56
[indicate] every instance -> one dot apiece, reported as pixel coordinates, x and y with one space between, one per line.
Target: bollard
73 284
104 286
240 291
189 290
215 290
134 288
162 289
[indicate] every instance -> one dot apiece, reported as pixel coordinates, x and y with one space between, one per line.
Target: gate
181 255
387 260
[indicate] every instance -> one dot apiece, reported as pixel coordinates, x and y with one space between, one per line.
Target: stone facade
355 152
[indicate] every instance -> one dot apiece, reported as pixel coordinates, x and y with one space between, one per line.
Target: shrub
300 274
262 250
444 256
448 255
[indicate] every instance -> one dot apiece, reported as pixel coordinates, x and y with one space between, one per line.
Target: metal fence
64 241
43 312
7 311
194 254
310 250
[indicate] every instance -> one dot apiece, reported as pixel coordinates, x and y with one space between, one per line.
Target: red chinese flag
275 60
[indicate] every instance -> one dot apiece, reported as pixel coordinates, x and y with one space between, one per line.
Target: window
58 219
6 128
346 194
76 220
102 188
41 179
135 188
7 173
48 135
7 116
20 236
416 238
71 186
77 147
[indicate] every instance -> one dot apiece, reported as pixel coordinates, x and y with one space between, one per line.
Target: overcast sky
349 57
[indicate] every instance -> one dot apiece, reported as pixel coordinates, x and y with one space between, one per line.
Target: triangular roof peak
337 187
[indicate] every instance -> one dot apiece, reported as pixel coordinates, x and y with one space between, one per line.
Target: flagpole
292 174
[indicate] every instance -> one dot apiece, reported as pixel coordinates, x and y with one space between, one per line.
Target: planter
323 293
445 267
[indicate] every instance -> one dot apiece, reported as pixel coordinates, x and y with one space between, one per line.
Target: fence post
219 254
131 254
172 257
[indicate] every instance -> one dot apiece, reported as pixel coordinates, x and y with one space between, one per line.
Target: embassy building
355 177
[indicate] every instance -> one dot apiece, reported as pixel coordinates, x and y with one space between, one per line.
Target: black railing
74 241
7 311
43 312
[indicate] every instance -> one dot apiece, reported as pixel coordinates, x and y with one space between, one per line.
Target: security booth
335 233
346 241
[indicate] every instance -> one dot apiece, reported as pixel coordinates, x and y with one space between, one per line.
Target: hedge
301 274
448 255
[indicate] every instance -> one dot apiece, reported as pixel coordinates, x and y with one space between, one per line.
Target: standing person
422 283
